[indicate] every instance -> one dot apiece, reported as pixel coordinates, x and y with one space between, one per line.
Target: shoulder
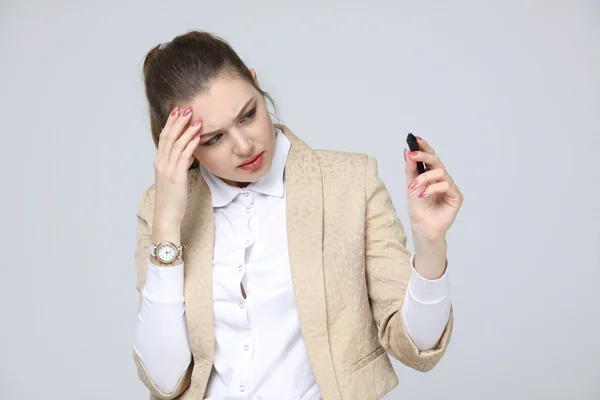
342 163
330 159
349 173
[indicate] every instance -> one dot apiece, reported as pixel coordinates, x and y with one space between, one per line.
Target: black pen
411 140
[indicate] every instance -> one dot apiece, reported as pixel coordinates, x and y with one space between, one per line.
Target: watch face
166 253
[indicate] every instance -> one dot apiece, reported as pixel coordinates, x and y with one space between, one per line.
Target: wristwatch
166 252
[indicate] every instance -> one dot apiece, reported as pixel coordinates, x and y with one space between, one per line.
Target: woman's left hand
433 197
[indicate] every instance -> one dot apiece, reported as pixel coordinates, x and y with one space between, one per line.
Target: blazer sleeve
143 237
388 270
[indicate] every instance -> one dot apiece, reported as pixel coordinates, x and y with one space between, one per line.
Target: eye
249 115
213 140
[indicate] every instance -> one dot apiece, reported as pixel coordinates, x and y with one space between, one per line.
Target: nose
242 145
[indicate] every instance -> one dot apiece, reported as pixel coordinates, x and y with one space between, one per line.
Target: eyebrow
242 111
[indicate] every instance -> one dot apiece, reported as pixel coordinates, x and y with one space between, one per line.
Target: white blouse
259 350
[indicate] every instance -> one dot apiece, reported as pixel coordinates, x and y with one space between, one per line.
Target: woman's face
236 129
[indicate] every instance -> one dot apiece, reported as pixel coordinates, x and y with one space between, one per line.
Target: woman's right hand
174 157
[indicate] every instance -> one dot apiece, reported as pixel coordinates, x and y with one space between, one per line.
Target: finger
425 146
175 132
168 125
439 187
190 162
187 155
451 195
427 178
410 168
433 164
431 160
412 157
180 145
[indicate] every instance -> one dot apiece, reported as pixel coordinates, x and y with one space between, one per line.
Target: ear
253 73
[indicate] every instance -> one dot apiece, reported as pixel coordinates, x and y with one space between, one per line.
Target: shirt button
245 194
241 304
246 347
247 210
240 268
242 388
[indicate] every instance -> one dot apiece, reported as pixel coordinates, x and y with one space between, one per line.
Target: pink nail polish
196 123
187 111
419 137
413 184
174 110
404 154
411 153
422 195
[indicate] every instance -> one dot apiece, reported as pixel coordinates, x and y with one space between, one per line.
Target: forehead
220 104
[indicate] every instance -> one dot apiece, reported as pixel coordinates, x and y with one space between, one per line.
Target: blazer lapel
197 232
304 202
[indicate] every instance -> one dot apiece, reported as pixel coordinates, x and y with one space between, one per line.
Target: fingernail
422 195
411 153
174 111
413 184
404 154
196 123
419 137
187 111
197 136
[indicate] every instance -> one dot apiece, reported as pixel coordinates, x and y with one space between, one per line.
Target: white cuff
427 290
426 309
164 285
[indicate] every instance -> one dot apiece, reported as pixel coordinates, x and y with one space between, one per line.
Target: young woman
267 269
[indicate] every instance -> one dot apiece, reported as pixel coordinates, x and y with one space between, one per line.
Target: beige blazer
350 270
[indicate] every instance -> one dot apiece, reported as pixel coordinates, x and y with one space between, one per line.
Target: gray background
508 92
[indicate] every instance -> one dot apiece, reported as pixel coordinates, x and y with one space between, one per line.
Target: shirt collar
272 184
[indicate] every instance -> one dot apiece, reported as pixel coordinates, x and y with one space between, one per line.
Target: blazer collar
272 184
304 220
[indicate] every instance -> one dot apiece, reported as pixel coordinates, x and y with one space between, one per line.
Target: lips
250 160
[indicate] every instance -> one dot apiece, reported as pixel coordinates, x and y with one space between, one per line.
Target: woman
267 269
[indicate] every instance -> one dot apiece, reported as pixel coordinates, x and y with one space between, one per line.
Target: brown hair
185 67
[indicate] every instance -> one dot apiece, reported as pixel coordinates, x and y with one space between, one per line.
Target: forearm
161 339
